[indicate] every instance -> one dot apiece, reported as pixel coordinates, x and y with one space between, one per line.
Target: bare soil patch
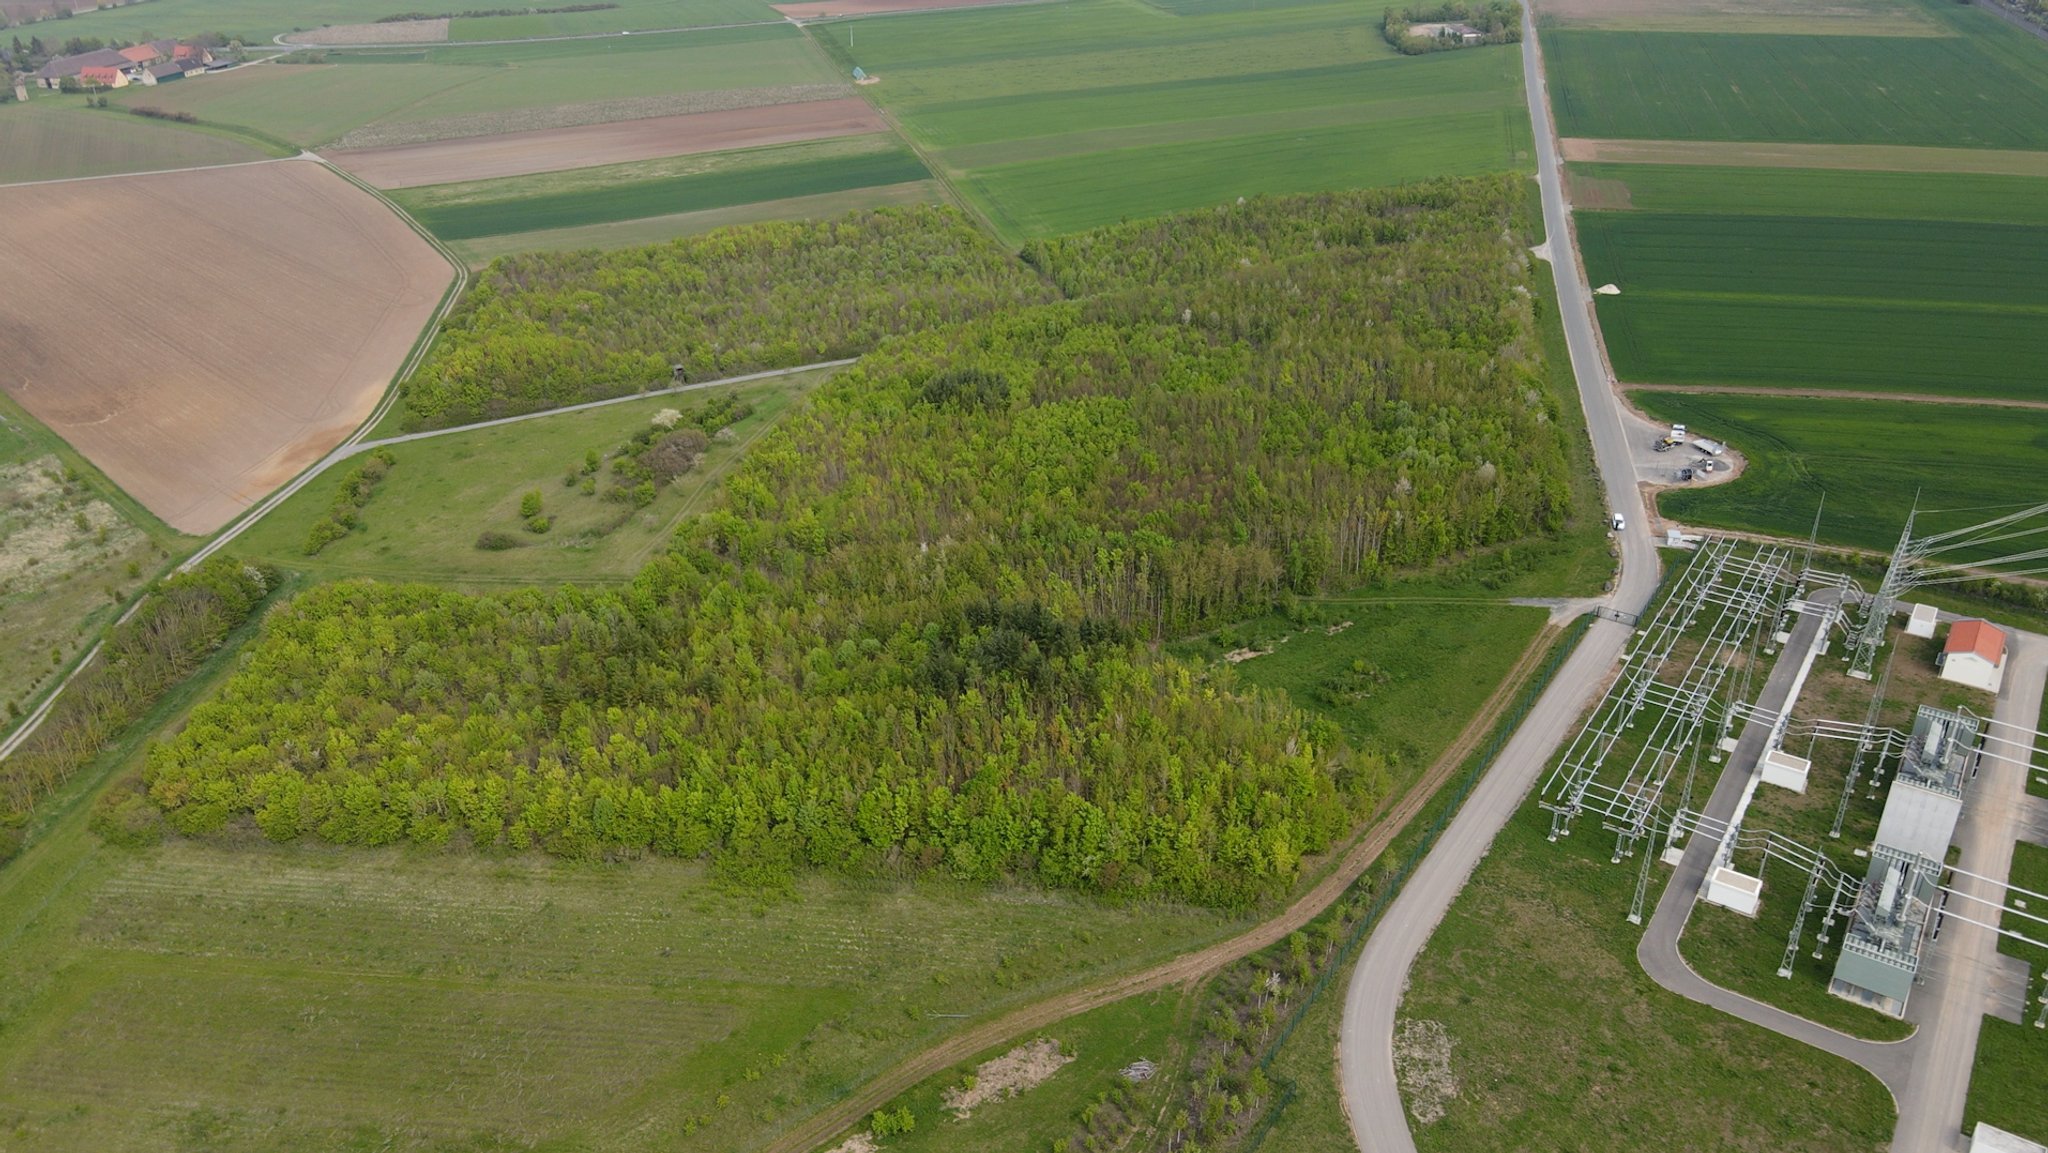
823 8
553 149
1025 1067
1422 1064
1592 193
202 336
577 115
394 32
1862 157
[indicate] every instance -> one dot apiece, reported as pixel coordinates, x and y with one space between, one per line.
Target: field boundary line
151 172
418 45
1836 394
1195 966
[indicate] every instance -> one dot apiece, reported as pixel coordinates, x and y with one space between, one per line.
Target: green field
1870 459
54 137
1934 307
317 104
1059 118
257 21
444 491
694 193
1533 973
653 229
1829 193
1985 85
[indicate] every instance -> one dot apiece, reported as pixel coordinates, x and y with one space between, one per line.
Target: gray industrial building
1881 949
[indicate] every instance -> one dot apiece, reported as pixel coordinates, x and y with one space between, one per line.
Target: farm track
1835 394
1188 968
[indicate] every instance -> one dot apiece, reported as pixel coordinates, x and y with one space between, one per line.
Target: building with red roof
1974 655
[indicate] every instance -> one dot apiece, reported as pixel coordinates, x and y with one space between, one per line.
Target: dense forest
546 329
918 632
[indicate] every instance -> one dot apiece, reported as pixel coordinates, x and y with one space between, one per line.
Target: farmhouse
149 63
1974 655
1462 33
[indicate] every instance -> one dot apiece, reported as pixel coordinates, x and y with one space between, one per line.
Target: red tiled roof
102 75
141 53
1980 637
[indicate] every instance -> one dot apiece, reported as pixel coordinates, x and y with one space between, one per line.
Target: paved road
1365 1044
1658 952
1959 974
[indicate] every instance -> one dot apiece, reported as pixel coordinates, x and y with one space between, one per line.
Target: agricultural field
200 392
258 21
443 493
380 98
1940 308
55 137
1051 119
1983 84
688 184
1985 198
1870 458
1798 17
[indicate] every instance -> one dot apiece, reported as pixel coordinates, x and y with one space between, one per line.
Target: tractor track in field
1188 968
1834 394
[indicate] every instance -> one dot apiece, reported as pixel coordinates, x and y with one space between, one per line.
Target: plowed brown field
202 336
554 149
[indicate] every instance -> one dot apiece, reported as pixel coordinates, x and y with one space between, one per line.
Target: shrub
539 524
494 541
530 504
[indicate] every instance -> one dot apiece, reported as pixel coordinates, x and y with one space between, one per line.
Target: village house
1974 655
150 63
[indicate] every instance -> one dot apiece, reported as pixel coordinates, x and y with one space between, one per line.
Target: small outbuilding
1974 655
1923 620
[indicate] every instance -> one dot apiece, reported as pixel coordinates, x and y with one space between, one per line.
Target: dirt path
1836 394
1188 968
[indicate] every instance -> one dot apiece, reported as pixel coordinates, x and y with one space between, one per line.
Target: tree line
920 630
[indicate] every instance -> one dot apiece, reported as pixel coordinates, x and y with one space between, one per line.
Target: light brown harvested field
555 149
1788 17
823 8
1866 157
202 336
390 32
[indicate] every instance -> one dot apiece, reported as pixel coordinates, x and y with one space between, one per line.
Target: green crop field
1054 119
1985 85
55 137
1934 307
1870 458
444 491
257 21
666 196
1830 193
317 104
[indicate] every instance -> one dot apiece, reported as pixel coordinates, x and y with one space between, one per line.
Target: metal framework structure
1935 560
1676 697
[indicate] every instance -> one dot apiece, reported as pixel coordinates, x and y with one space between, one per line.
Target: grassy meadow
444 491
1869 458
56 137
1051 119
1533 974
1982 85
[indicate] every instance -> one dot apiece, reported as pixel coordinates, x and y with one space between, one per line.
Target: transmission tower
1896 579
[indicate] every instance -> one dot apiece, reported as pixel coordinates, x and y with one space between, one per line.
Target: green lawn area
1985 85
55 137
314 105
1834 193
444 491
1870 458
1533 974
1059 118
1916 306
2005 1081
717 180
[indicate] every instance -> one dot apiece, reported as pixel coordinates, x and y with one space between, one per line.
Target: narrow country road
1365 1043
